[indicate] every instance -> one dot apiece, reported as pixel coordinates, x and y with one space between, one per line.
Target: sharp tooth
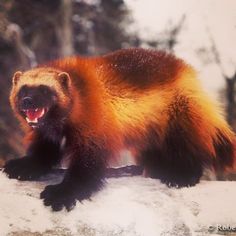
31 121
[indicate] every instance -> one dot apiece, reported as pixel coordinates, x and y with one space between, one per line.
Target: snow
127 206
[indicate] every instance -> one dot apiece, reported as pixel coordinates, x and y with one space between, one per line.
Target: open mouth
33 116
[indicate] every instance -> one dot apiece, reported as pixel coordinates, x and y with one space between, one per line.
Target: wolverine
88 109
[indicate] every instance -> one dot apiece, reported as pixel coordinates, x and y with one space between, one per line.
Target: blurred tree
65 32
230 85
168 38
100 26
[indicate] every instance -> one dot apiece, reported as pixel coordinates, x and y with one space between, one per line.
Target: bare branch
216 53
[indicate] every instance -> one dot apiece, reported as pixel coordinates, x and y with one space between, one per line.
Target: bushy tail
225 146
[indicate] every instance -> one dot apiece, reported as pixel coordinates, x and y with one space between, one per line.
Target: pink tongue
33 114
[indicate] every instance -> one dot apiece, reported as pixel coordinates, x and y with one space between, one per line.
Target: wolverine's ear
16 77
64 78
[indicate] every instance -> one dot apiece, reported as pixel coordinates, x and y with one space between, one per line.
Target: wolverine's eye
23 91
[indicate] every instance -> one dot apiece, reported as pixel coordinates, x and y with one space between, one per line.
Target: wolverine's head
40 96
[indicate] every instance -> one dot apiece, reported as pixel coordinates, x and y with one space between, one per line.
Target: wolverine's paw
181 182
23 169
58 196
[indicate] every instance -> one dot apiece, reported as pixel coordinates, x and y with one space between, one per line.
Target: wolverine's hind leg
193 140
177 161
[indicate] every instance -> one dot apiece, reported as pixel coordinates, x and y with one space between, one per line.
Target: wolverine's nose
27 102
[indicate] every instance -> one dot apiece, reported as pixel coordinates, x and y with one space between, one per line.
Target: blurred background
203 32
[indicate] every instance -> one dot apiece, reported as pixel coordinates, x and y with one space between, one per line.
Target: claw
58 197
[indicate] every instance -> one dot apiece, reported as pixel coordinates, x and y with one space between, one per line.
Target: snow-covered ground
127 206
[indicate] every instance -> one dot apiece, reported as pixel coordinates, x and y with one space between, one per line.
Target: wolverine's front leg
42 154
84 177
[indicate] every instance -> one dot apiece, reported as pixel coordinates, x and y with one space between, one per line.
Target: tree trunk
65 34
231 106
